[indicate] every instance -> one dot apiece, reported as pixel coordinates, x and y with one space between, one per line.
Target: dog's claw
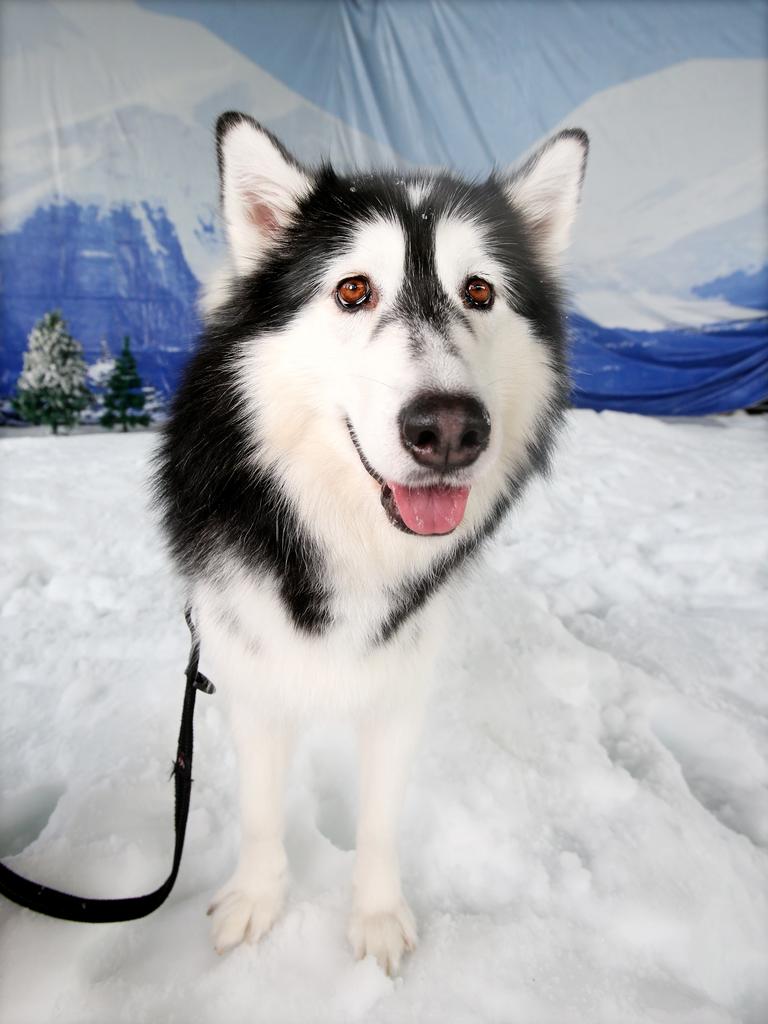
386 936
239 915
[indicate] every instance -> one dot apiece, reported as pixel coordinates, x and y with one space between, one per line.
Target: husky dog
382 369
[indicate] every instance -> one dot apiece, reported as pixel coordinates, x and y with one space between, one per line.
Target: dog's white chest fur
255 654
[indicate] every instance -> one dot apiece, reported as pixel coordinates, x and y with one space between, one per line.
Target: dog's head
409 323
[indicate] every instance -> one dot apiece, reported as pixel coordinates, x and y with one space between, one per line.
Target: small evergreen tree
155 403
124 399
99 373
51 388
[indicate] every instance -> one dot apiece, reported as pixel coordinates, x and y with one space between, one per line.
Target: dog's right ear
547 187
261 186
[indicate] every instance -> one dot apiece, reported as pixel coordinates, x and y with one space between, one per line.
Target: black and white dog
383 368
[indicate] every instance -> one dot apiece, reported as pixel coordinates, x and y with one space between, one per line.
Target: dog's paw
385 935
240 915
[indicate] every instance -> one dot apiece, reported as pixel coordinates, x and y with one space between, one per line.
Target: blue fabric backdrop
108 181
672 373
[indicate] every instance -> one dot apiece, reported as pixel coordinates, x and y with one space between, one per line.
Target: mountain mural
112 273
108 177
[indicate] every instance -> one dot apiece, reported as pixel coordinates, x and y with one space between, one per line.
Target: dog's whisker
373 380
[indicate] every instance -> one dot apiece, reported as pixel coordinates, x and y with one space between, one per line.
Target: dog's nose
444 431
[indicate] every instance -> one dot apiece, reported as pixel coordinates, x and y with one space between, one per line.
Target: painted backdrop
108 180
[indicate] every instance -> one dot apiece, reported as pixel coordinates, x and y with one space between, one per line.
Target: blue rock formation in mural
740 288
111 273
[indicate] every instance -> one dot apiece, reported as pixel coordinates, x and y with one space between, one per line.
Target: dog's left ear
547 187
261 186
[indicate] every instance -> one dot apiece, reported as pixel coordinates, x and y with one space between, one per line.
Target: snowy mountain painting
109 204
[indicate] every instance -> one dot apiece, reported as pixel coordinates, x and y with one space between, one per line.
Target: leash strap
53 903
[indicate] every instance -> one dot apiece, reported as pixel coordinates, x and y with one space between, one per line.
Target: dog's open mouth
425 511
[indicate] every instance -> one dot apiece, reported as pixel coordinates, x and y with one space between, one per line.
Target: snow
585 837
102 369
642 311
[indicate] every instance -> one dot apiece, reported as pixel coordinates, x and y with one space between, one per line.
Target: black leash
64 905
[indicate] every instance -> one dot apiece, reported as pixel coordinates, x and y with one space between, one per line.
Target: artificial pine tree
124 399
51 388
154 403
99 373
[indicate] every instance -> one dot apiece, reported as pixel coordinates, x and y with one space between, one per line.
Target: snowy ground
586 834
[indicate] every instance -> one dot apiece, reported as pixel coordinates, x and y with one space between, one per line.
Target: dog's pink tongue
428 510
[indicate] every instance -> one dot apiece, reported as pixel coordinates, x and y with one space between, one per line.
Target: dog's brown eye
353 292
478 293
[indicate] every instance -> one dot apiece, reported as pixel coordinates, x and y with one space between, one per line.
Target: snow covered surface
585 838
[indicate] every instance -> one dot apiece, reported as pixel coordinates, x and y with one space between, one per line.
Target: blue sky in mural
485 78
109 199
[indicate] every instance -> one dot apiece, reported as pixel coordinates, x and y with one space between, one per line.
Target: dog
382 369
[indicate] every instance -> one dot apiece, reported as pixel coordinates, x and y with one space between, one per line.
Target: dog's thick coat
319 530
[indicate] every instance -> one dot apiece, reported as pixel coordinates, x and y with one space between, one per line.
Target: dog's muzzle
425 511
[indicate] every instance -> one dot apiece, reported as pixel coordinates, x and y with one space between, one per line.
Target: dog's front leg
247 906
382 923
